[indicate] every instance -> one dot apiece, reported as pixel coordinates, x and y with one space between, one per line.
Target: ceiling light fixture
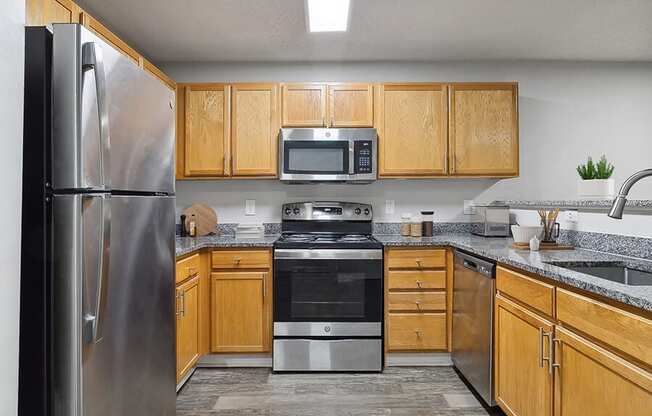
327 15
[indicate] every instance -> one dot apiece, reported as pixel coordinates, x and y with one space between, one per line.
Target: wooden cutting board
205 218
543 246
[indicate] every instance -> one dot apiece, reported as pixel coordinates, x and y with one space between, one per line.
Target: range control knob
357 211
366 211
288 211
296 211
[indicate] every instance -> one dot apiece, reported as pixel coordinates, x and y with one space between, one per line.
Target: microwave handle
351 158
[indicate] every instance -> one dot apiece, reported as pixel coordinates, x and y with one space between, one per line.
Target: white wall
568 110
12 19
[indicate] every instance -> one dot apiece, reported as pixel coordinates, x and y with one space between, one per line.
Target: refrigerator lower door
113 124
114 351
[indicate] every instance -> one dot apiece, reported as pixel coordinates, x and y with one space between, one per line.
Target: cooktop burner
317 240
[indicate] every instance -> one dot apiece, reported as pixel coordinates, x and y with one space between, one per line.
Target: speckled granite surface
186 245
499 249
598 204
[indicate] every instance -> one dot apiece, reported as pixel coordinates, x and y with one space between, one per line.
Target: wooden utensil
543 246
205 218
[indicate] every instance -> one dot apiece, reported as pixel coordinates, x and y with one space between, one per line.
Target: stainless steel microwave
328 155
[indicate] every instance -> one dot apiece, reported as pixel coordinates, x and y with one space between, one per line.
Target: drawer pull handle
192 271
543 359
237 260
418 303
418 333
418 282
419 263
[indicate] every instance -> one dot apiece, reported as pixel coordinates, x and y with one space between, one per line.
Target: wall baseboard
418 359
235 360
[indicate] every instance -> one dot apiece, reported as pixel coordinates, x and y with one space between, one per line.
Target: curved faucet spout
618 205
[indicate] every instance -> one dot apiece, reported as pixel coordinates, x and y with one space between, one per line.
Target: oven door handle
328 254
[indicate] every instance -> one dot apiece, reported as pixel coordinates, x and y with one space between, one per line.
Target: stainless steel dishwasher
473 304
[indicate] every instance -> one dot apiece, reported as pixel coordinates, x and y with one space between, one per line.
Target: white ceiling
414 30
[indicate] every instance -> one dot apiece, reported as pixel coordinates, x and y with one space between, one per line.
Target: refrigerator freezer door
113 123
130 369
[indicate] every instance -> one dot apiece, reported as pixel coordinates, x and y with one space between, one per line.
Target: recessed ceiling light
327 15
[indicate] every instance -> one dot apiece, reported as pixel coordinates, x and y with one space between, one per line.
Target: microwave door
316 160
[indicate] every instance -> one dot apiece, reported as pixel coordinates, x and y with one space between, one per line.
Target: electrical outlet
250 207
389 206
572 216
469 207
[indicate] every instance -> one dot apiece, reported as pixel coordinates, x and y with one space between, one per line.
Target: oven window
328 290
316 157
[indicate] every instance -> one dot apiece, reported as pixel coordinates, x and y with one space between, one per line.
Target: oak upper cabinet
188 322
590 380
207 130
523 381
411 120
483 128
350 105
240 317
152 69
46 12
255 129
303 105
338 104
102 31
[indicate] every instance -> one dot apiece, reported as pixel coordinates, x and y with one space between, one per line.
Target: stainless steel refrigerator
97 301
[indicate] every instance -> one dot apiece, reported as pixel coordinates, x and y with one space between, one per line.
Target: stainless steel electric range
328 289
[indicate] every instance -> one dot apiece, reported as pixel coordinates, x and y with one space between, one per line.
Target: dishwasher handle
476 264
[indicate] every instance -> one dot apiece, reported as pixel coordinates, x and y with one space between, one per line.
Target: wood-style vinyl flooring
403 391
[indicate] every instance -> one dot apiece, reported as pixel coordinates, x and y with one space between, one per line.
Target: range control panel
327 211
363 156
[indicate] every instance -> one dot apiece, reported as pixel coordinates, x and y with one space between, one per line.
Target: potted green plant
595 179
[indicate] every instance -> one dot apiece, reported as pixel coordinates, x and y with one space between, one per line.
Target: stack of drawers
415 299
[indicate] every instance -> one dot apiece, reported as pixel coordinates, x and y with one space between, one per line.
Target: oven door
315 289
316 160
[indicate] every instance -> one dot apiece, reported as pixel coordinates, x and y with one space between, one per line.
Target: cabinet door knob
418 303
418 282
237 260
419 263
418 333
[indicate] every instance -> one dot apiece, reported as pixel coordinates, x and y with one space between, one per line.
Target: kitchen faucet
619 203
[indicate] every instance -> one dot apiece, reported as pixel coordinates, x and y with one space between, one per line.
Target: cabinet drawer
416 301
241 259
625 331
416 259
416 279
416 331
533 293
187 268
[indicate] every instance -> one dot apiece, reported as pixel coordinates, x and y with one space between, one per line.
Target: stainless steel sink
613 271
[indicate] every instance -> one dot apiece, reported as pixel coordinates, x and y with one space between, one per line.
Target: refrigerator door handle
92 59
93 321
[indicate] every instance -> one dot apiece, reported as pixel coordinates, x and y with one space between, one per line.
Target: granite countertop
498 249
186 245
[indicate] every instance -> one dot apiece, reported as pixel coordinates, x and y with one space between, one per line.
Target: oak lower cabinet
188 321
483 130
523 383
241 301
573 363
416 300
412 125
336 104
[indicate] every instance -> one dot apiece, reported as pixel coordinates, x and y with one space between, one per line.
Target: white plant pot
596 188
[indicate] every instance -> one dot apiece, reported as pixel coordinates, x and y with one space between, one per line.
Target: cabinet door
256 123
412 129
523 382
304 105
187 326
46 12
240 312
350 105
207 110
484 129
593 381
102 31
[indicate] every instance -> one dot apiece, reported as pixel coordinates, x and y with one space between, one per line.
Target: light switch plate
250 207
389 206
469 207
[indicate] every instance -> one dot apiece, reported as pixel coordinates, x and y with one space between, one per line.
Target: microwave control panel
362 156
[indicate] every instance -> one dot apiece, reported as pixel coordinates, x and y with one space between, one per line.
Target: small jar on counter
406 220
426 223
416 227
